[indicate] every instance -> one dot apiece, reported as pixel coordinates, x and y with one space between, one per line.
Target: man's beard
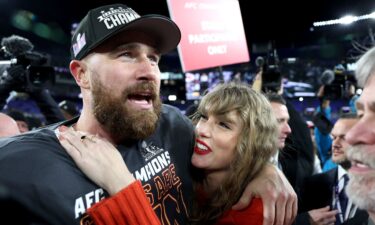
344 162
361 187
123 122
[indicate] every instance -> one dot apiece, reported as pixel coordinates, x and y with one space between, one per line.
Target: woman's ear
79 71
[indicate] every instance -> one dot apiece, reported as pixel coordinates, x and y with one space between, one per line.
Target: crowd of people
243 156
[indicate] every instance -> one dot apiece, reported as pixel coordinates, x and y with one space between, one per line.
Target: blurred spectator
282 116
293 158
69 109
317 162
47 105
298 144
324 199
353 97
8 126
323 127
44 103
20 119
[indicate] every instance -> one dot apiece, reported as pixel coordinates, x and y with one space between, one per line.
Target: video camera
271 75
25 69
337 82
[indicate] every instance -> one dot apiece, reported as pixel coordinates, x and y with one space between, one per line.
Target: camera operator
298 153
8 126
27 71
21 121
353 96
336 84
69 109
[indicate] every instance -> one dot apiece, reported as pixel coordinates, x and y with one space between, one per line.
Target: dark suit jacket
297 157
316 192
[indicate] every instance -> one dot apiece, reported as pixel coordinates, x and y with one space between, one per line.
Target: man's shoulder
175 127
40 139
67 123
328 176
171 109
331 173
32 153
38 133
173 115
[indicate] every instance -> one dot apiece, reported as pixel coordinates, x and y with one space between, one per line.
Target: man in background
8 126
20 119
298 144
295 155
280 110
323 195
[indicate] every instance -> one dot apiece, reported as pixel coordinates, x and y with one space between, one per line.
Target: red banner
212 33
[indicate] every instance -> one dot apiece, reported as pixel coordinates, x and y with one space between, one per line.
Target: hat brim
164 32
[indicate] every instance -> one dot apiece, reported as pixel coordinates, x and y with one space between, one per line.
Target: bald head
8 126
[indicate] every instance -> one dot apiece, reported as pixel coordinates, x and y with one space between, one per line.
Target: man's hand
322 216
278 196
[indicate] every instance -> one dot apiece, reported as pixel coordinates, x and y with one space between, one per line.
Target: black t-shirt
44 182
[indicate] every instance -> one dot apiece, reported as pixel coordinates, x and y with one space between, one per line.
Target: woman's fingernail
59 134
63 128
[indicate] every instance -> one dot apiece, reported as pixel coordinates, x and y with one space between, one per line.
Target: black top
297 157
41 178
317 192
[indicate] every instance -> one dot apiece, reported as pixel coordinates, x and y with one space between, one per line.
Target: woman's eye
225 125
199 116
202 116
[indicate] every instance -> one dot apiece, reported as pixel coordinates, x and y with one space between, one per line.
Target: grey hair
365 67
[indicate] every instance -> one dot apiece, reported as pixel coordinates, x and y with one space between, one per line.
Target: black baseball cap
104 22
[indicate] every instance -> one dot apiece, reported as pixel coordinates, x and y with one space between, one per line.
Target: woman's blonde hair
256 144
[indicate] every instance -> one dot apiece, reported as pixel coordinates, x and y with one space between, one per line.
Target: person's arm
103 164
128 206
47 105
10 79
320 92
278 196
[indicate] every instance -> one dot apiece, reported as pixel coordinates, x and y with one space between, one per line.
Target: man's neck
88 123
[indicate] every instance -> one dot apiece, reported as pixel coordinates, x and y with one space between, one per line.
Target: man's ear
79 71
